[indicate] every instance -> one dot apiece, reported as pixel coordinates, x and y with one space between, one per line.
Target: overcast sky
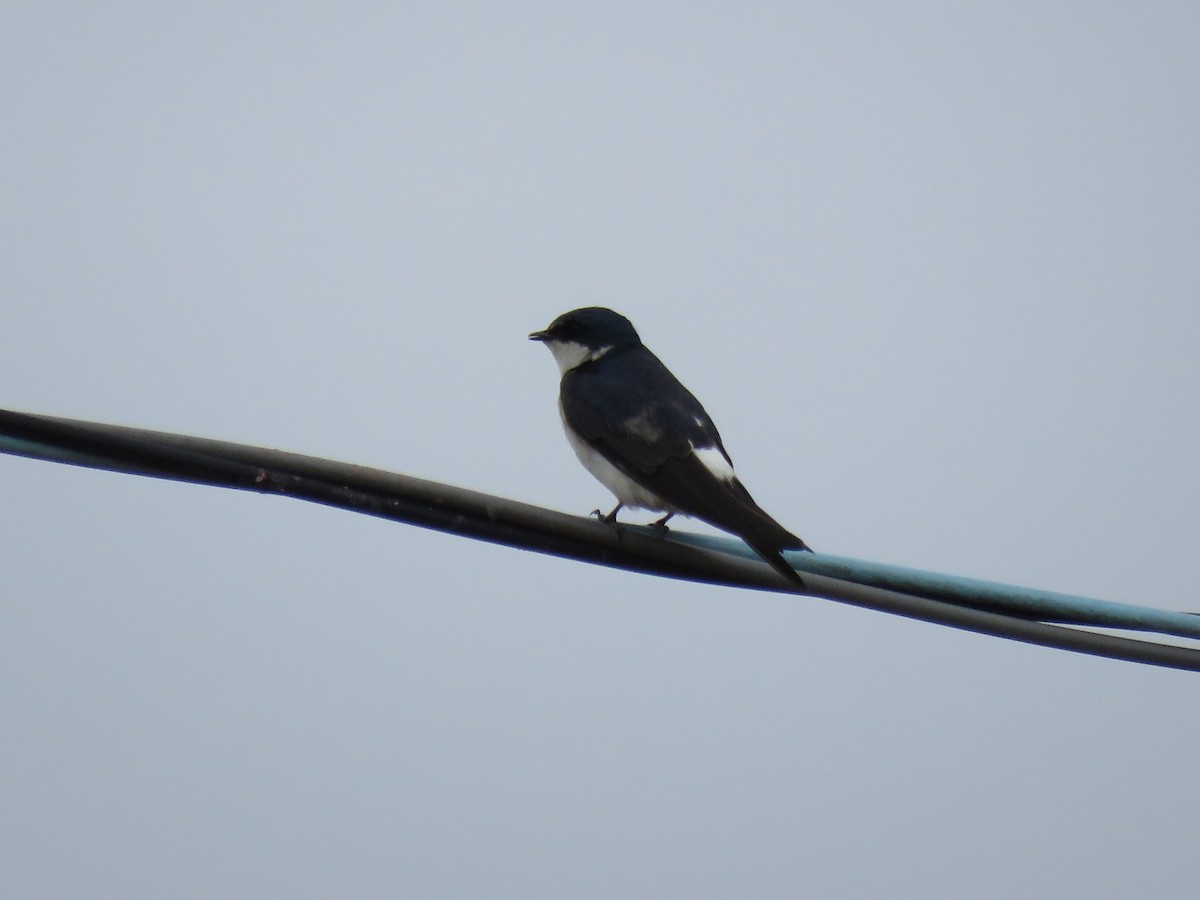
931 267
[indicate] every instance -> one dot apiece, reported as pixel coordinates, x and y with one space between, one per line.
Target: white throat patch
570 355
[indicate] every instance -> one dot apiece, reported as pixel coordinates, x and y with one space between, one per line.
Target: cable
485 517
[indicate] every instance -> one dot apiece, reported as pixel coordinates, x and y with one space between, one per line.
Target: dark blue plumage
646 437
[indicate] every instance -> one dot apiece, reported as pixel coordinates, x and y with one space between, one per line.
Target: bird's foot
660 525
611 518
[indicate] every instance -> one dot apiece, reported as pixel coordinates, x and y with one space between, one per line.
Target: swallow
646 438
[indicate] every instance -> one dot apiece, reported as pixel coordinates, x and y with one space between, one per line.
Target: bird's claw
610 518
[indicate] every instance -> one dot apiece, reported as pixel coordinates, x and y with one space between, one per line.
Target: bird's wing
650 427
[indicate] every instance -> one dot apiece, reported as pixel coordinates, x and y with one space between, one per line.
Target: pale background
932 268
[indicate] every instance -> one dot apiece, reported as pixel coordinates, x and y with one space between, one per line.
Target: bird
646 438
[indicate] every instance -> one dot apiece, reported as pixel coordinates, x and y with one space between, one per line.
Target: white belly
624 488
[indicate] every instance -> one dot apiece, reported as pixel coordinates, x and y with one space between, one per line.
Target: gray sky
931 267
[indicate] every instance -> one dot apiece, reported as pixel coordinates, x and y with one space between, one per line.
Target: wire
1031 603
486 517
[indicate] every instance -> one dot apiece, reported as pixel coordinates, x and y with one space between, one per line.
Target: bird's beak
539 336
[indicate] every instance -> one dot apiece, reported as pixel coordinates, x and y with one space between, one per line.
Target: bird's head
583 335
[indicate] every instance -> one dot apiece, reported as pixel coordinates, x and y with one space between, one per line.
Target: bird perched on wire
646 438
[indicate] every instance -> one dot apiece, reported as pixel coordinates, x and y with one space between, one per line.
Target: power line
999 610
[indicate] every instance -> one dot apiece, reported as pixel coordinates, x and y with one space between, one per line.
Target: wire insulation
485 517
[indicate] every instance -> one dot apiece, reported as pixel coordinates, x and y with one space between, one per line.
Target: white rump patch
714 460
569 354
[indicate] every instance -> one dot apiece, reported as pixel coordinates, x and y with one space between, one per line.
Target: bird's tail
774 558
